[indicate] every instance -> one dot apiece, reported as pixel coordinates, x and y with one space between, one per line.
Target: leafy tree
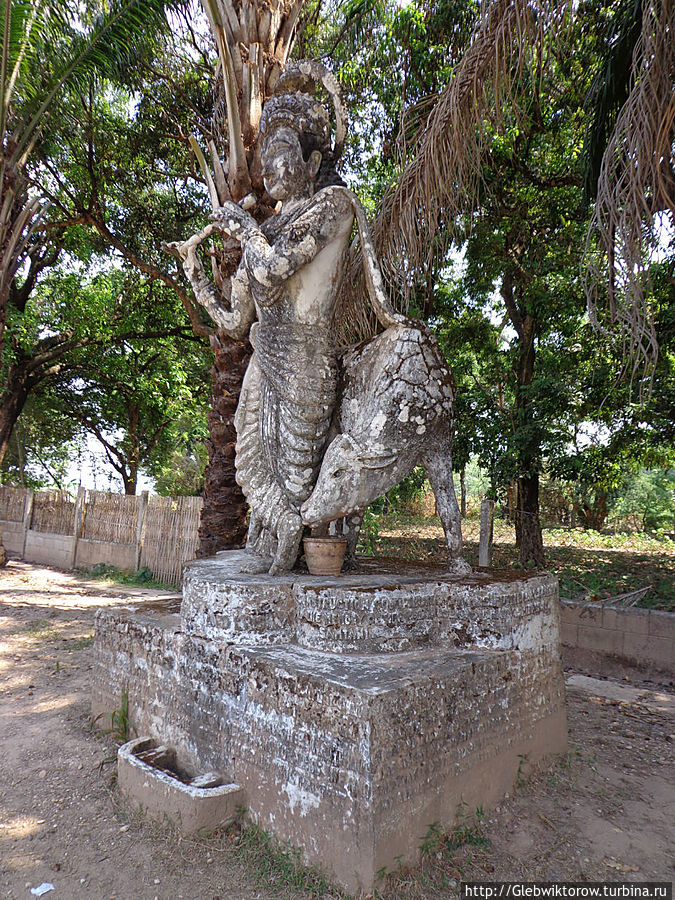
73 331
42 449
181 473
127 396
49 54
647 500
44 52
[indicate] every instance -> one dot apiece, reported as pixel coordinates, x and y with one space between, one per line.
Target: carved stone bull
396 412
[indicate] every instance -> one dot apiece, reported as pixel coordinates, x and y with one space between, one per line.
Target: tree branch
506 292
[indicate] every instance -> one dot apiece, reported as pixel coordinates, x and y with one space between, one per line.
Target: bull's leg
351 528
438 466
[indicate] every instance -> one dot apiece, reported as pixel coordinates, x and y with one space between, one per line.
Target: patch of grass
640 542
143 577
279 865
600 574
468 830
119 721
444 855
39 630
80 643
521 780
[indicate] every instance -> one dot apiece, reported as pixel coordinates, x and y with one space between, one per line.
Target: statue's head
295 132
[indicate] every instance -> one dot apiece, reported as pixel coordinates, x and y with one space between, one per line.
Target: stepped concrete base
353 711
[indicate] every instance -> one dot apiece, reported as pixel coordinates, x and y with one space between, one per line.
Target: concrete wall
49 549
91 552
12 537
644 638
57 549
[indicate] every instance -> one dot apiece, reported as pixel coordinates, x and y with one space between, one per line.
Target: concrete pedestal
355 711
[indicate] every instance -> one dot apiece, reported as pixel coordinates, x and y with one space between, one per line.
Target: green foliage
181 471
46 51
143 577
126 374
105 166
119 719
611 84
370 533
42 449
646 501
391 60
404 495
468 830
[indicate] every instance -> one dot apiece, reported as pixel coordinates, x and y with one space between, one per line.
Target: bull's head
349 480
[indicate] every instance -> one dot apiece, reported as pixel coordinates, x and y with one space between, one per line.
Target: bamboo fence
12 503
53 512
170 536
110 517
164 530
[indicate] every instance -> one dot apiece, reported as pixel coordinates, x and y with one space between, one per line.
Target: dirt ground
602 813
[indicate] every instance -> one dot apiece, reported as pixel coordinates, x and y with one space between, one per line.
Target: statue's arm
235 317
270 265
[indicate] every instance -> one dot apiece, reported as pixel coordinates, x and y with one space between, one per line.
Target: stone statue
289 280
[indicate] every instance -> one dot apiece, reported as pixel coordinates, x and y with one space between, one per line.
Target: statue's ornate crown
301 112
295 105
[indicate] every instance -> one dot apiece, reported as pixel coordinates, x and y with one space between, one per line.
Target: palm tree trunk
224 514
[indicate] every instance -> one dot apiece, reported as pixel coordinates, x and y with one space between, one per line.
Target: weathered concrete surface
349 755
161 796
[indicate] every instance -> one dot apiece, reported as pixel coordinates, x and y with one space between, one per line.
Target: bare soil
604 812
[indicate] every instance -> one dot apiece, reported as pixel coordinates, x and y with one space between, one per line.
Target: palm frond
108 48
442 180
610 88
636 186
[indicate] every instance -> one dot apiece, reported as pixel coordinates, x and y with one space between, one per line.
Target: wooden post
78 519
487 510
27 519
140 527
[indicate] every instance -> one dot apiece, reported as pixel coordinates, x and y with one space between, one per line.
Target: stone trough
354 711
152 781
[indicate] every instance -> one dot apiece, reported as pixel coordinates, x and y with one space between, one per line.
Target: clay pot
325 555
